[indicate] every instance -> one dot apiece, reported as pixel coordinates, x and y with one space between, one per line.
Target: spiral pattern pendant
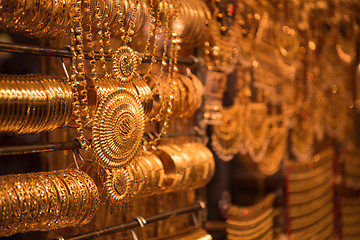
118 128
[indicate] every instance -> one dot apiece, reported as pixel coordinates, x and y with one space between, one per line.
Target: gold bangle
308 208
189 105
296 198
148 176
139 179
173 165
158 169
311 219
264 225
313 229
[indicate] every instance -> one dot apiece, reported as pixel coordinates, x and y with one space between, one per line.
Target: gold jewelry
307 208
33 103
118 128
296 198
125 63
226 139
251 222
46 201
145 95
276 151
315 228
118 186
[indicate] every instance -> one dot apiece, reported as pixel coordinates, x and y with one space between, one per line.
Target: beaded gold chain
77 80
172 69
125 59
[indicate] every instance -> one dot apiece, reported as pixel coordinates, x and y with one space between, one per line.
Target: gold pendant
125 63
118 185
118 128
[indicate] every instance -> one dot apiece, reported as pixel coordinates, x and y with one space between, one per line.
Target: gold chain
77 79
173 53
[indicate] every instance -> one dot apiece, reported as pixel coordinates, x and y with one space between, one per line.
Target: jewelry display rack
71 145
139 222
74 145
65 53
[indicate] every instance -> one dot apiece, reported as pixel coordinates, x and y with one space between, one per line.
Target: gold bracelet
311 219
304 185
312 230
259 228
296 198
253 210
45 201
308 208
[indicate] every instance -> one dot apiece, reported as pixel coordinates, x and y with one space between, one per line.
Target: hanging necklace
125 59
226 138
77 80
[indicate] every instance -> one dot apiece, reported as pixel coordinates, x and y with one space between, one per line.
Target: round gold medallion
118 128
118 186
125 62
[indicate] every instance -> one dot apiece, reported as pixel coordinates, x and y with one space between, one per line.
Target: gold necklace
125 59
275 153
302 138
337 116
226 139
168 104
77 80
222 52
118 186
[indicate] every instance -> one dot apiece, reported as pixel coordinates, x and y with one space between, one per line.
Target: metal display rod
137 222
65 53
47 147
71 145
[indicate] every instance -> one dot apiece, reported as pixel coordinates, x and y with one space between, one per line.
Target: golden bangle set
311 193
188 96
195 234
253 222
169 168
50 19
350 220
46 200
183 169
33 103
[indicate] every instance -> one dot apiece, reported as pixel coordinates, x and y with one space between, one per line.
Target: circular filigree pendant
125 62
118 186
118 128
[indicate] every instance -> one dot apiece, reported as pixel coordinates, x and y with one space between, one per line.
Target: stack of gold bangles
188 91
352 169
310 197
252 222
170 168
193 234
48 19
33 103
193 23
46 200
350 217
187 166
